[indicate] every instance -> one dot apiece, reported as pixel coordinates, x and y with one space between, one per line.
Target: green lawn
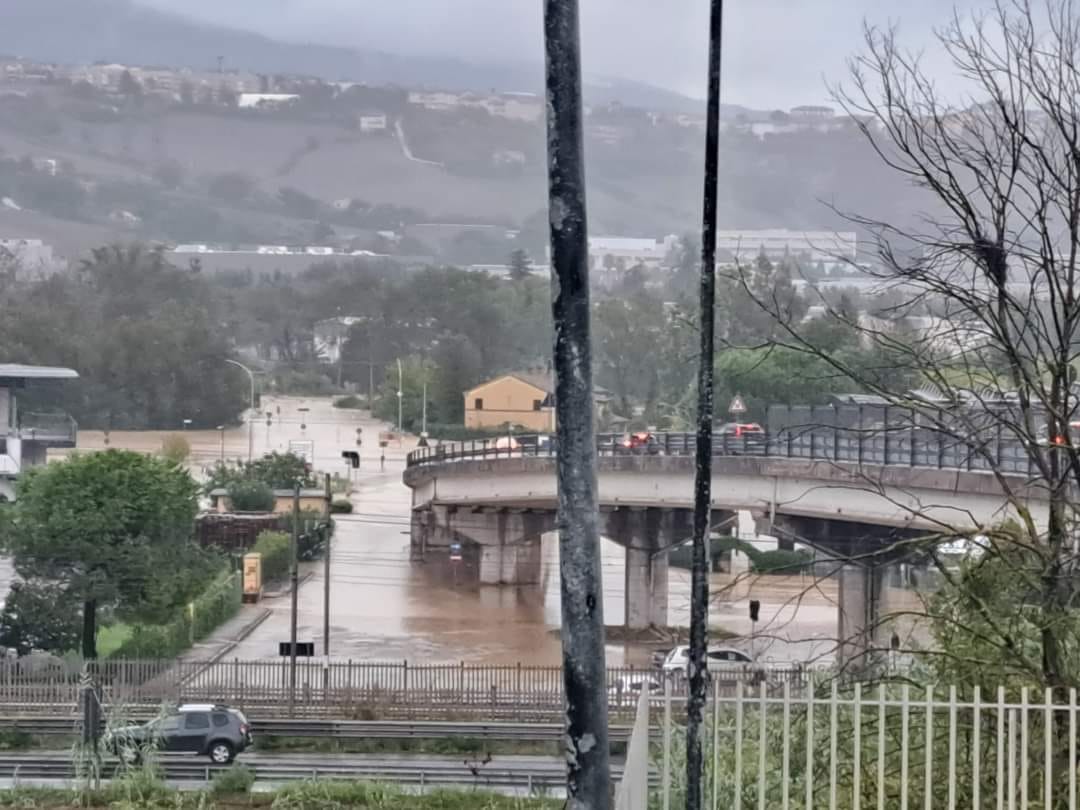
110 638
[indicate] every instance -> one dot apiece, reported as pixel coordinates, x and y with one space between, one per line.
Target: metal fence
879 436
880 747
349 689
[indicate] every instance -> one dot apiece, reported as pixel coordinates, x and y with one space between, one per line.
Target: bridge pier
647 535
509 541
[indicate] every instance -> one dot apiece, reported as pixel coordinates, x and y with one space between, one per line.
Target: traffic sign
737 405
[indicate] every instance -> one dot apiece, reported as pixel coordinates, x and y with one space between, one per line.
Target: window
196 720
478 404
538 404
220 720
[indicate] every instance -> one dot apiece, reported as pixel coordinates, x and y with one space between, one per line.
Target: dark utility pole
699 579
294 580
326 573
584 670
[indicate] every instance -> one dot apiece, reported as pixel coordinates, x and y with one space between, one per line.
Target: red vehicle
639 444
740 438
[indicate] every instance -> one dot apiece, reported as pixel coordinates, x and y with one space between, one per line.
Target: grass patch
111 638
236 780
449 745
314 795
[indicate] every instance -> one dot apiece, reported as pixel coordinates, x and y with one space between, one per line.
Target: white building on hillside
622 253
778 243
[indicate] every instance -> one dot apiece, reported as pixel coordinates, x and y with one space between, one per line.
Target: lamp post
221 431
400 383
251 406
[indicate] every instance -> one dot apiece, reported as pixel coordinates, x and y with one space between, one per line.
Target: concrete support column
509 541
859 610
646 595
647 535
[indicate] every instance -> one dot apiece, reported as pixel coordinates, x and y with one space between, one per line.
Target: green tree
39 616
274 470
416 371
251 496
519 265
112 529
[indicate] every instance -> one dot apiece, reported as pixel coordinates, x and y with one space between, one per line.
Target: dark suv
209 730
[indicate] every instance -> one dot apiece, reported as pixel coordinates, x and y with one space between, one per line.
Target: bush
274 548
217 604
251 496
780 561
237 779
175 448
351 401
341 506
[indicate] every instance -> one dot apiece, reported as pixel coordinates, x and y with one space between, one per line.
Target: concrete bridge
502 500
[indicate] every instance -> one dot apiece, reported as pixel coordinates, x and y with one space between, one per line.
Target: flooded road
384 607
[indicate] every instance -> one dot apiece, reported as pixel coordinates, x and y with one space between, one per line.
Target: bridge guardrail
901 442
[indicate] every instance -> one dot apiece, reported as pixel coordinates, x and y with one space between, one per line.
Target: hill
86 31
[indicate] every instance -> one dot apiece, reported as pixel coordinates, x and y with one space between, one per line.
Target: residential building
524 400
264 100
34 257
330 336
521 400
372 122
622 253
779 243
26 437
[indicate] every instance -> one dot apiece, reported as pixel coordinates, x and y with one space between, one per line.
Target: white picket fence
889 746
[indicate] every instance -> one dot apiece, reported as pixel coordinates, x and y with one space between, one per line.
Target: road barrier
346 690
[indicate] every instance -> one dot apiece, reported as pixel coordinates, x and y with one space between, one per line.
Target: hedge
274 547
217 604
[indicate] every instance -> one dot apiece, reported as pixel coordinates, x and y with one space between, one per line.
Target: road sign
304 649
455 552
737 405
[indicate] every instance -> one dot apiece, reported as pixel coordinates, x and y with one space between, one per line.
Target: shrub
218 603
175 448
274 548
237 779
251 496
351 401
780 561
341 506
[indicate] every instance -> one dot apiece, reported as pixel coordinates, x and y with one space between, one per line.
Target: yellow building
519 400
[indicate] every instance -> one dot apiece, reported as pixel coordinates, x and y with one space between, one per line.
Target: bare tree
984 312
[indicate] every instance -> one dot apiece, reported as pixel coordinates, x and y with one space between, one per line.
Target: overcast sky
777 52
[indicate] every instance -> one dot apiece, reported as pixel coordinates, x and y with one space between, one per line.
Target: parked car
718 659
740 438
210 730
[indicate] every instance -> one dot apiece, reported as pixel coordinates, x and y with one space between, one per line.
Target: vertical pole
326 574
400 396
294 577
584 668
423 416
251 419
699 577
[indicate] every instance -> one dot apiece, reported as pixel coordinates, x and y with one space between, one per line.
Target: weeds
237 779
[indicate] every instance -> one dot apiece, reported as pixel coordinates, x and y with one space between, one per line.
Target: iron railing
825 434
53 429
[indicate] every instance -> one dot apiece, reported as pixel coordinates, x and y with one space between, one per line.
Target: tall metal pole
400 394
423 412
251 407
294 580
584 668
699 577
326 575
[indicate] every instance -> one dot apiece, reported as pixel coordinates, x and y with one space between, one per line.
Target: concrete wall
508 400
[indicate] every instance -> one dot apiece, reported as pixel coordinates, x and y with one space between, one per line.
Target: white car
717 659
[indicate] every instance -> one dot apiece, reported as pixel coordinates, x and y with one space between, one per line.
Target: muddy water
384 607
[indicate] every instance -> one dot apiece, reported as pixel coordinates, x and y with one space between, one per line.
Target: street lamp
251 414
221 430
400 380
